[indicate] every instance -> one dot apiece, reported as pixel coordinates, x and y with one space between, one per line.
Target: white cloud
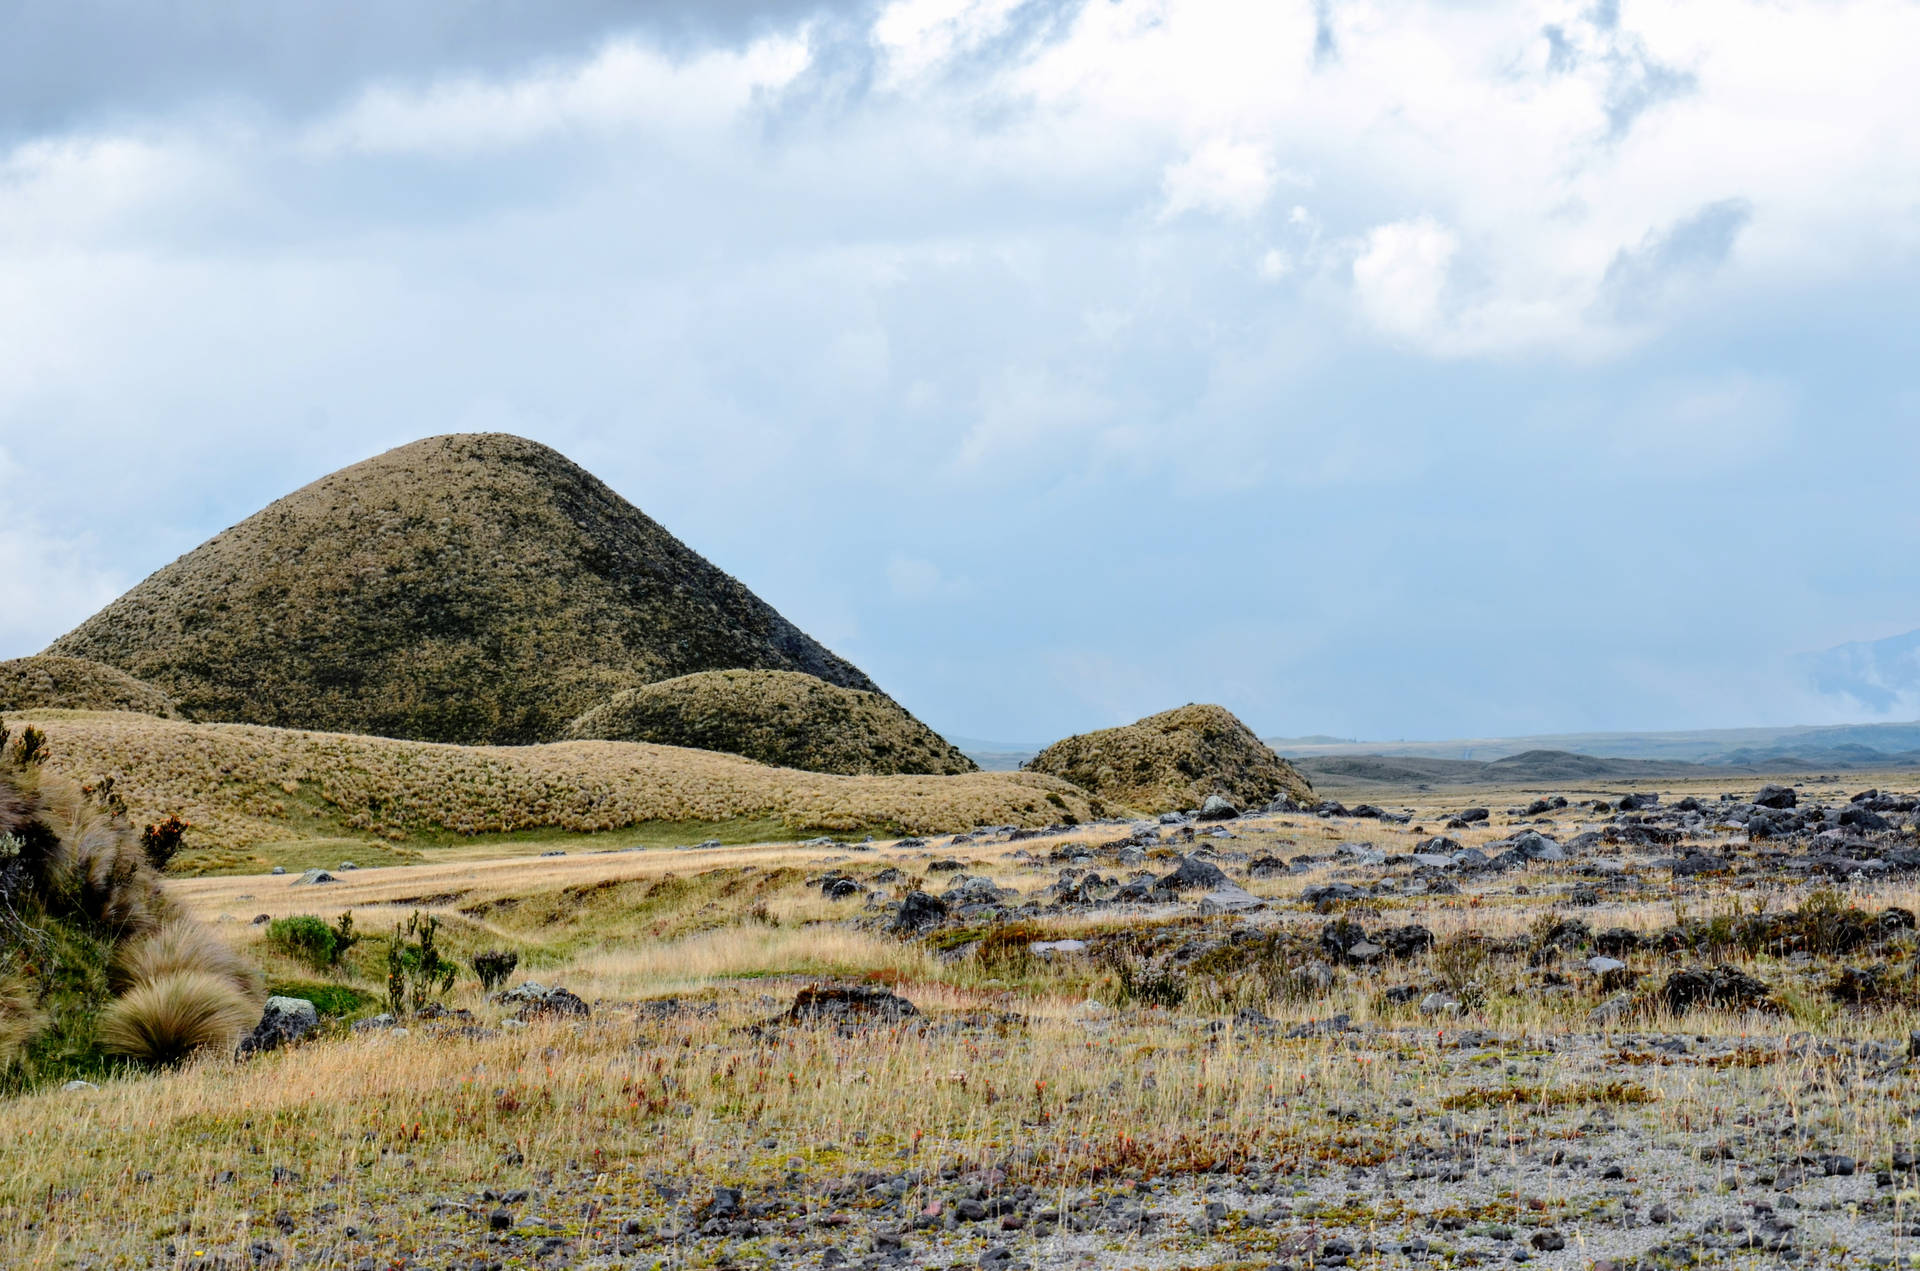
1275 264
1228 178
51 583
624 85
1400 276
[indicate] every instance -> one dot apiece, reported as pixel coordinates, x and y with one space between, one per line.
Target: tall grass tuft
167 1019
20 1017
180 947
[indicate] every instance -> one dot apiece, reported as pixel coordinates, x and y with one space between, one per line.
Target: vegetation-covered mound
783 718
97 966
242 785
473 588
1174 760
56 683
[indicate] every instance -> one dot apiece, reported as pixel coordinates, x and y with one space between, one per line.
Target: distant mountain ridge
1833 745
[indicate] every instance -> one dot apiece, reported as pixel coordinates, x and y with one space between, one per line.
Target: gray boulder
285 1021
1217 808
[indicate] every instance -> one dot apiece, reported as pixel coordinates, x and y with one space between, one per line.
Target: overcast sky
1376 369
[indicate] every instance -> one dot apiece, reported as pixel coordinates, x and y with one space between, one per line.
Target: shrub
307 938
180 947
417 972
31 749
168 1019
494 966
162 842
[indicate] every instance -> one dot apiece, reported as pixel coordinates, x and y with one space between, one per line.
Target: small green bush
307 938
417 972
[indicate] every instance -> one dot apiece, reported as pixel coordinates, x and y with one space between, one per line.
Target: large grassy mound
1174 760
475 588
245 785
783 718
76 684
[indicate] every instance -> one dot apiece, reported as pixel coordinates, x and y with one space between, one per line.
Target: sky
1375 369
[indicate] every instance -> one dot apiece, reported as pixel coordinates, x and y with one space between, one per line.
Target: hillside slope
57 683
243 785
783 718
471 588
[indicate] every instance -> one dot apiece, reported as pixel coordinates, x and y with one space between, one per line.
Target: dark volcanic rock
1721 986
850 1005
1193 873
919 912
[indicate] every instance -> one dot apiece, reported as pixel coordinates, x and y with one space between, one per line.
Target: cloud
985 281
1400 276
51 581
1227 178
82 63
1688 250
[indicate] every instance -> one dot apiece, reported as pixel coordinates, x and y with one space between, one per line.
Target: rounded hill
475 588
57 683
783 718
1174 760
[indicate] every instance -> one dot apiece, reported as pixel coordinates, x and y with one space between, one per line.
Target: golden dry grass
58 683
244 785
166 1019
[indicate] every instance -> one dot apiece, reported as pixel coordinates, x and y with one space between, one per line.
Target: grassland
1253 1119
259 796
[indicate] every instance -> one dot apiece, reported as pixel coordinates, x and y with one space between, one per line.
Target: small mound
55 683
1174 760
783 718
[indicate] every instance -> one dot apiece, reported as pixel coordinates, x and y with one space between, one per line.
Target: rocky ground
1658 1029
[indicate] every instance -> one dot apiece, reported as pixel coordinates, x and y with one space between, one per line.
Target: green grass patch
334 1001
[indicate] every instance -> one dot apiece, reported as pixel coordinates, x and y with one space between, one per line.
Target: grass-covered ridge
388 597
56 683
1174 760
783 718
243 785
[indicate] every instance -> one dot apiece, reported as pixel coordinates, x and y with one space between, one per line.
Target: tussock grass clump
85 917
241 785
60 683
164 1020
782 718
386 597
1174 760
183 946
